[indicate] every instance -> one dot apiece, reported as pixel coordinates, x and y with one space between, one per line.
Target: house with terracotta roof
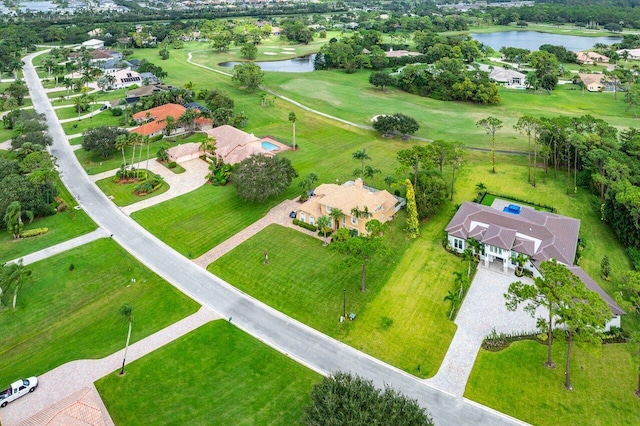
351 196
234 145
153 121
590 58
505 234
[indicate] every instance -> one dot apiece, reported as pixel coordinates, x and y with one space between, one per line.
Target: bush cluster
305 225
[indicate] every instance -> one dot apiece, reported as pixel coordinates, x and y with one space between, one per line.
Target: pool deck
281 146
500 204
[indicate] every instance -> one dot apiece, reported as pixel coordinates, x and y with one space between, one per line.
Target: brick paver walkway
277 215
193 178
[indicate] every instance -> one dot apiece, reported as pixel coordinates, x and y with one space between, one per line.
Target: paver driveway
483 310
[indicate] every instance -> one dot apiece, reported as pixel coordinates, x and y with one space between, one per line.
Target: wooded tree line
594 155
28 174
571 12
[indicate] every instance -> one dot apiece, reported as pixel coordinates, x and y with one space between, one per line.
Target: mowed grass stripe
214 375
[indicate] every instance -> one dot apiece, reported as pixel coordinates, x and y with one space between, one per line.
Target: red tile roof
161 112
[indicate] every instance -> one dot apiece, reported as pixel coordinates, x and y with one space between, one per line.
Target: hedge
34 232
305 225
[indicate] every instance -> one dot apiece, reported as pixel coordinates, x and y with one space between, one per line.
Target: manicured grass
515 381
305 281
199 220
70 112
123 193
214 375
62 226
177 169
93 164
79 126
64 315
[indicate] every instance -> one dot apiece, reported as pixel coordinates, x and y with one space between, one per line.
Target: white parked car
17 389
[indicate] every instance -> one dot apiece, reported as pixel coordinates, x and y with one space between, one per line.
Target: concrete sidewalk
74 376
62 247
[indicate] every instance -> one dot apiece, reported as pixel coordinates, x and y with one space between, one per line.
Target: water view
301 64
532 40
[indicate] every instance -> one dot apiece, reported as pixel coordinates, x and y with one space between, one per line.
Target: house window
457 243
494 249
328 209
513 258
344 221
302 218
354 220
311 220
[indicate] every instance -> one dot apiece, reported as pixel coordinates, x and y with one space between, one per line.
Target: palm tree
13 218
361 156
324 225
209 145
15 275
481 188
292 120
467 255
337 215
453 297
134 140
370 172
121 142
520 259
476 246
169 125
127 312
68 83
147 142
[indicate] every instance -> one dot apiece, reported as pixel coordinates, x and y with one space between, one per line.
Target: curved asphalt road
290 337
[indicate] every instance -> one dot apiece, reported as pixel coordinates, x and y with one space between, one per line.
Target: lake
532 40
301 64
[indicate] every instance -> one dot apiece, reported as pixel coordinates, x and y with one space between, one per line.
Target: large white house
513 230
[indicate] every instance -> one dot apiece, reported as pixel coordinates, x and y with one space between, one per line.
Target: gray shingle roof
593 286
540 235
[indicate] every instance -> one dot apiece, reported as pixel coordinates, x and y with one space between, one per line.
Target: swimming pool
268 146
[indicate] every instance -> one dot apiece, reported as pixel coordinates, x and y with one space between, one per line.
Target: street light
344 303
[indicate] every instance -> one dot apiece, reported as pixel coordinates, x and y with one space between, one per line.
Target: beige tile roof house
537 234
380 204
233 145
588 58
593 82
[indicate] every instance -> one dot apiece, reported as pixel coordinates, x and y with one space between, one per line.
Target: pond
301 64
532 40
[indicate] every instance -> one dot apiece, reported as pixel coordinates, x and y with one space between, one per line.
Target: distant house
149 78
507 77
111 66
371 204
93 44
234 145
400 53
590 58
538 235
633 53
125 78
142 92
593 82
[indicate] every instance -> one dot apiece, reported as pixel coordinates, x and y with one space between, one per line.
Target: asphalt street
294 339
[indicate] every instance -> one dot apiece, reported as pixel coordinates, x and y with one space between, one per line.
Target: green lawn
515 381
214 375
62 226
398 290
123 193
70 112
105 118
199 220
64 315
